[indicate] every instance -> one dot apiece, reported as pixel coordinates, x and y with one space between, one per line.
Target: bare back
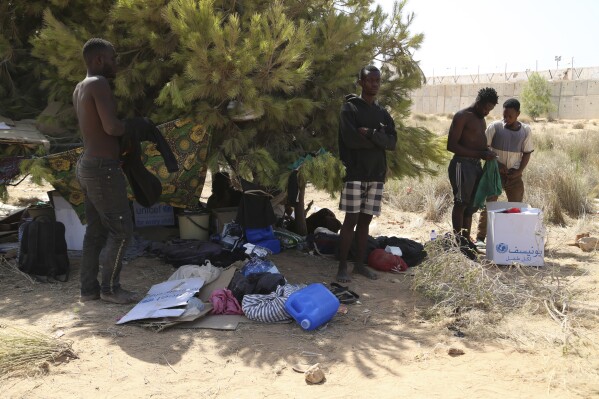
467 134
96 111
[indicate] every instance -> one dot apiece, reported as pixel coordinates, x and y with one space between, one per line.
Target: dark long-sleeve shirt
145 186
364 155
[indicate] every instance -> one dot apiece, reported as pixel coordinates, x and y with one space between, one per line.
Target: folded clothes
223 302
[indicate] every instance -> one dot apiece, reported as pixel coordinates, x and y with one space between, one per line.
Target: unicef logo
501 247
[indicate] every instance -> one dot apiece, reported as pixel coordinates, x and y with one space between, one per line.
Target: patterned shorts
362 197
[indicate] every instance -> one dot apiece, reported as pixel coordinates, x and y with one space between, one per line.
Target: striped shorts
464 176
362 197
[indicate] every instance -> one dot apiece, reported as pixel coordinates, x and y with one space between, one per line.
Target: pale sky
525 34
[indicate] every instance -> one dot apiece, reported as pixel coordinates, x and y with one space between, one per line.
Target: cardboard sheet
221 282
216 322
167 299
74 230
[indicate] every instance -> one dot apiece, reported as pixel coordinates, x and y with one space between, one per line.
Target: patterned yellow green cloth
189 143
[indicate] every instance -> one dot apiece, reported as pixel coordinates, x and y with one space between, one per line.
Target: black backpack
190 252
256 283
43 249
412 251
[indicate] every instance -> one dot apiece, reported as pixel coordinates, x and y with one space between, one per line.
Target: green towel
489 185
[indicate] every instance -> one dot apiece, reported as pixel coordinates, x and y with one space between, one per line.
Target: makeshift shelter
189 143
17 140
23 133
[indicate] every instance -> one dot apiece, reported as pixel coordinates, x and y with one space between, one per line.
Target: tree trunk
300 212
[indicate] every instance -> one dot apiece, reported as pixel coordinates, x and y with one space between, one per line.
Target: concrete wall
586 73
574 99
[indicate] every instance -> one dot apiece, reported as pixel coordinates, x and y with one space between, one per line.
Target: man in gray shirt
512 142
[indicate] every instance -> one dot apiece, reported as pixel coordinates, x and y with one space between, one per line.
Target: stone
314 374
455 352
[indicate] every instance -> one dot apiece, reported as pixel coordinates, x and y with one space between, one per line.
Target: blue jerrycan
312 306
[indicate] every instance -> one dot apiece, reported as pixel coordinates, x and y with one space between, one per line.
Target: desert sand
383 347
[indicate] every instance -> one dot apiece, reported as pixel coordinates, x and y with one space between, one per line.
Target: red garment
223 302
386 262
513 210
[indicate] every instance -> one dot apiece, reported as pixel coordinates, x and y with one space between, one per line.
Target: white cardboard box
516 237
156 215
74 230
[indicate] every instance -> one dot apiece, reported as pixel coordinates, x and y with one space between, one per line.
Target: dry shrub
525 119
435 202
553 211
430 195
26 353
543 141
434 123
581 147
570 193
558 186
578 125
455 282
480 294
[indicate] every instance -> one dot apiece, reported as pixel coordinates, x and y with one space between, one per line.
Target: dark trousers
109 223
514 190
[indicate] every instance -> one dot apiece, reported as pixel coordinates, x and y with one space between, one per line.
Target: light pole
558 58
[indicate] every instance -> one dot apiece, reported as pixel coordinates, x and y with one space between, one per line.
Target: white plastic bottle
433 235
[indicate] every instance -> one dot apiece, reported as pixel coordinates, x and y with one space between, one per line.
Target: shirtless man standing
468 142
109 222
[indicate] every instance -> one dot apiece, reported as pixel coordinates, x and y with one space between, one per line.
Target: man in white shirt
512 142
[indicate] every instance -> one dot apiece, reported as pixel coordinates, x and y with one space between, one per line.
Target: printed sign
156 215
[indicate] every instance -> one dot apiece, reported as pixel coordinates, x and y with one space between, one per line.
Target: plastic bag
232 236
256 250
258 265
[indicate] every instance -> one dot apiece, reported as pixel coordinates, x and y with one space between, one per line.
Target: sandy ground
383 347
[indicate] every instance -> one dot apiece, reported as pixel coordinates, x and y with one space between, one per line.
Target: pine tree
137 30
20 95
289 63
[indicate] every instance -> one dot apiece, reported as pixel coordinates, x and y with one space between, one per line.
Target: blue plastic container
274 245
312 306
259 234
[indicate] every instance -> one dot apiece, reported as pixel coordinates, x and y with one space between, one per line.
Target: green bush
536 96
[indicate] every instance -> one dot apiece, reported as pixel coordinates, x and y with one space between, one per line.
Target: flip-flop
344 294
338 287
347 297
